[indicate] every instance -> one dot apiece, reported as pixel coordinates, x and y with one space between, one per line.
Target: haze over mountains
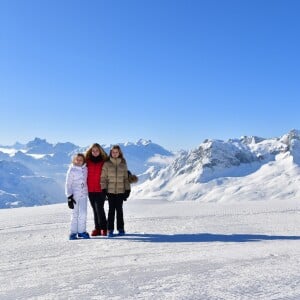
34 173
249 168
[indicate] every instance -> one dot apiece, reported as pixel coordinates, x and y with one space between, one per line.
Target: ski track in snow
181 250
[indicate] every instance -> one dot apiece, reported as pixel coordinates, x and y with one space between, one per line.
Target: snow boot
96 232
103 232
73 236
121 232
84 235
110 233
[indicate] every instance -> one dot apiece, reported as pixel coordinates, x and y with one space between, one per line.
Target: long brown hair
121 155
103 154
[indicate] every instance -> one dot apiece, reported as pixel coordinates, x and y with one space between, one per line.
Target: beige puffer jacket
114 176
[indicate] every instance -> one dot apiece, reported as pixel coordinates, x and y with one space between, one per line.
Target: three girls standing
99 176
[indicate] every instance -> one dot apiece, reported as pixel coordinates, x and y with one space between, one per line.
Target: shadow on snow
205 237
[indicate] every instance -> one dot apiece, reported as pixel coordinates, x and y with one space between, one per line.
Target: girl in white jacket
77 192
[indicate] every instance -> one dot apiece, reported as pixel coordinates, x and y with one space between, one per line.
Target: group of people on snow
98 177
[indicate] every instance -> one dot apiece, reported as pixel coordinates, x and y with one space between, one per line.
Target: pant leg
119 209
111 212
93 200
100 200
74 218
82 215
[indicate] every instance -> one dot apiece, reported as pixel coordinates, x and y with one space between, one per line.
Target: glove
126 194
71 202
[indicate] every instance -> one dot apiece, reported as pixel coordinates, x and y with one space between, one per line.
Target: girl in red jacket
95 158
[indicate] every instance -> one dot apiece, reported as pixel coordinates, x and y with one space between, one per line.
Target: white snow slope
172 250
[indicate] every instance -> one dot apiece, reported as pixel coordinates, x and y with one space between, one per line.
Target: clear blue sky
175 72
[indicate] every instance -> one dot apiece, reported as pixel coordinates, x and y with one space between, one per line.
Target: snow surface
172 250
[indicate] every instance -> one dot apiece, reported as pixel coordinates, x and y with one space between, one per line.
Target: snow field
172 250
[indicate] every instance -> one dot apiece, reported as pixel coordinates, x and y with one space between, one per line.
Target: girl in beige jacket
115 184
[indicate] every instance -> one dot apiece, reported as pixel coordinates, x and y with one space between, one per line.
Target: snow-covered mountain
251 168
19 186
34 173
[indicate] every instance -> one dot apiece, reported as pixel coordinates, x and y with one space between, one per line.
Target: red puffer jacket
94 175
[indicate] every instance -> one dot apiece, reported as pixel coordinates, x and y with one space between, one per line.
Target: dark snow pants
97 201
115 202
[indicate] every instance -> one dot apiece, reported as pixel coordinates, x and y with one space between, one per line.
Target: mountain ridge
48 165
216 168
212 171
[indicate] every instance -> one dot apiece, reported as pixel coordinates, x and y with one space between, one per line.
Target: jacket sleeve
68 185
104 177
126 180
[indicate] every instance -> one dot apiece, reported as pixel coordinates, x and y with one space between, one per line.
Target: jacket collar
115 161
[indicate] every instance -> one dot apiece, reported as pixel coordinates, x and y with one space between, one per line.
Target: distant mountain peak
18 145
251 139
294 134
38 140
38 146
143 142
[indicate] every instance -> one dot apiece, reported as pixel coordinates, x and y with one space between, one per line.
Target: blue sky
175 72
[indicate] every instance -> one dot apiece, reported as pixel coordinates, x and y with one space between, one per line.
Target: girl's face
95 152
115 153
78 161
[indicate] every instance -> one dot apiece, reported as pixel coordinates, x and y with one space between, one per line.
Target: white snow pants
79 216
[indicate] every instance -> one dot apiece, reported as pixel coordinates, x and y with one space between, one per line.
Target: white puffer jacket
76 182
